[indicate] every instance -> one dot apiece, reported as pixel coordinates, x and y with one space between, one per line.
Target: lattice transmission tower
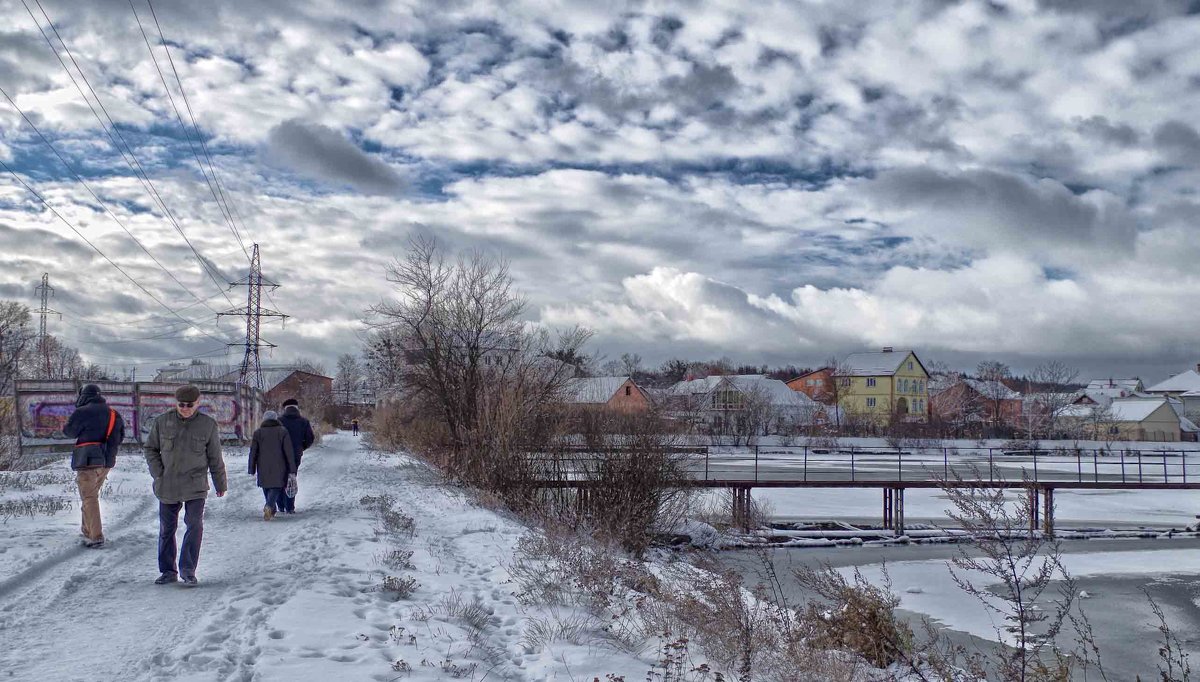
251 371
45 292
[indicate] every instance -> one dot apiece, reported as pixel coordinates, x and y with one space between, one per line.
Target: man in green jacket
184 445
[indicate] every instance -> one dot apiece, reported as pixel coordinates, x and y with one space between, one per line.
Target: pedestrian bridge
893 470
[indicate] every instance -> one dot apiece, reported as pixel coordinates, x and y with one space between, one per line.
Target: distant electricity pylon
251 372
46 292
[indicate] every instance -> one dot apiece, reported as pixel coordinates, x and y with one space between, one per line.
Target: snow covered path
298 598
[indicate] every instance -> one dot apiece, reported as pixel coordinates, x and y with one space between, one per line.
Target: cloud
321 153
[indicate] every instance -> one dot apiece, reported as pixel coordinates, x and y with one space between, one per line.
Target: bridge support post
887 507
1033 510
1048 513
741 508
893 510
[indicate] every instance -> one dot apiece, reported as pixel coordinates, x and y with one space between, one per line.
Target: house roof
779 394
1115 385
273 376
992 390
1134 409
873 364
809 373
593 389
1183 382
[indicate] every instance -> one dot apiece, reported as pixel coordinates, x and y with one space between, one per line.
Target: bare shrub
38 505
1173 663
400 559
402 587
573 627
1012 576
855 616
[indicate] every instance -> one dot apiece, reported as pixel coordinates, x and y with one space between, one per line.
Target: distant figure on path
272 458
354 426
182 447
301 431
98 431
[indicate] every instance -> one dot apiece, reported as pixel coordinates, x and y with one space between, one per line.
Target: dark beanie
89 393
291 401
187 394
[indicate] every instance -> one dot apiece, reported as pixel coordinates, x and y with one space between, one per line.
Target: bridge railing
811 464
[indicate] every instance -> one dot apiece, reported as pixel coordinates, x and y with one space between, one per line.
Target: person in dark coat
301 431
89 426
272 458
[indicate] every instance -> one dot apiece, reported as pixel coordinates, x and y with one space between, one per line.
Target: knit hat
291 401
87 394
187 394
270 414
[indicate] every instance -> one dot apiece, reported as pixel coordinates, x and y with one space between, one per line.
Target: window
871 381
904 385
910 364
820 382
870 402
808 382
846 382
627 390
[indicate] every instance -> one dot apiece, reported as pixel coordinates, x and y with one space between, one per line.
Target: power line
139 172
101 201
83 319
224 210
203 145
95 248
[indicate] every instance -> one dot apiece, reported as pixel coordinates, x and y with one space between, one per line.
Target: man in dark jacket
100 429
272 458
182 447
302 436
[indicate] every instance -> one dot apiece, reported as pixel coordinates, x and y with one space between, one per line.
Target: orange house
614 393
817 384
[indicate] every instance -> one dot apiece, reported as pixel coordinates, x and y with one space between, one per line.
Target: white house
729 403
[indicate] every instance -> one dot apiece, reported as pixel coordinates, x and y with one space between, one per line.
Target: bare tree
310 365
992 374
15 340
349 374
1047 405
471 357
631 363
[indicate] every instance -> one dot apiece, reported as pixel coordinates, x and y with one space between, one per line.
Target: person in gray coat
182 447
273 459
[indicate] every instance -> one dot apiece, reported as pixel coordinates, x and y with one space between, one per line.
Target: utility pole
45 292
251 371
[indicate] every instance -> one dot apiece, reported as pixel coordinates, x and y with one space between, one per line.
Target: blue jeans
286 504
168 523
272 496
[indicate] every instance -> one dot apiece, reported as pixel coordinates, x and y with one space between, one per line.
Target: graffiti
222 407
44 413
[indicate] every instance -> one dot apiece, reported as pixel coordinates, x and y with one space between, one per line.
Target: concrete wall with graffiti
43 408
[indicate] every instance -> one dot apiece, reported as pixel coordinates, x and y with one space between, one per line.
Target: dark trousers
274 497
168 523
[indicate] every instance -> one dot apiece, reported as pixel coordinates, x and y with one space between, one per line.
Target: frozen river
1113 572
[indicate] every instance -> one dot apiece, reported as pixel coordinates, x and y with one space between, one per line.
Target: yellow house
884 385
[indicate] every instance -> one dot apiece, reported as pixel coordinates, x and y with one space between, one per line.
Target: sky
776 182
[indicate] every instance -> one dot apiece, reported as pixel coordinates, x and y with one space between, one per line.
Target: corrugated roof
1186 381
873 364
1127 385
594 389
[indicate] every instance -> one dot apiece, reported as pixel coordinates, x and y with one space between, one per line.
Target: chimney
1198 367
888 349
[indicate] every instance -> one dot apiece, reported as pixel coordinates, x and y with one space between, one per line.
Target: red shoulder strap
112 421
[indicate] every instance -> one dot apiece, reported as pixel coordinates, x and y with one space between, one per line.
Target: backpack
94 454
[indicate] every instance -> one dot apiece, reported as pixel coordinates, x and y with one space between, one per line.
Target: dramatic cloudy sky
772 181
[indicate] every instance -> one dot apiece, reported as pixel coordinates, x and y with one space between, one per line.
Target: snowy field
299 598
